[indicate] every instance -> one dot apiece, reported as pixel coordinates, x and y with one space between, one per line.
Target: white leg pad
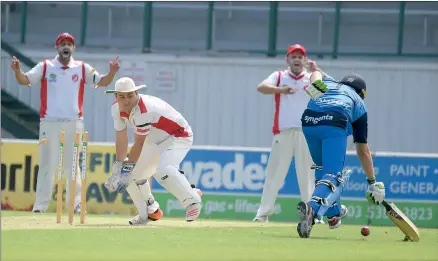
137 198
171 179
145 190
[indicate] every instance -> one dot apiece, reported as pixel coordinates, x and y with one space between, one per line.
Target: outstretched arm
376 190
317 87
108 78
316 75
364 155
92 76
21 78
360 137
134 153
32 76
315 68
121 144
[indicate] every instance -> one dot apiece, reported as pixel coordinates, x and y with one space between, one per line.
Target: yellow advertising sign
19 168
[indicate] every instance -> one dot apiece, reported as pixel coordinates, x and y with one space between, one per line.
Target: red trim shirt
152 117
289 107
62 87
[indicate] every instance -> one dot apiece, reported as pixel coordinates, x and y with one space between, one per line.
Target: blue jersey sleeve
360 122
360 129
359 108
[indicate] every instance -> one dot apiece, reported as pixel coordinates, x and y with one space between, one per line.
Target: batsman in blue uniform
335 111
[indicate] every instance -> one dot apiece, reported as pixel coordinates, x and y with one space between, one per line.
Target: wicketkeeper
162 139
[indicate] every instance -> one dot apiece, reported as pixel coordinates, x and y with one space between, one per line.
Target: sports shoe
261 219
138 221
193 211
158 214
78 209
307 219
344 210
153 209
319 221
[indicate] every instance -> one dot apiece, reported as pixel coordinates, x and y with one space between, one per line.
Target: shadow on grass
106 225
294 237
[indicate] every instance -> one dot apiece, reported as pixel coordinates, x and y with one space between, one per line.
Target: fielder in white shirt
291 100
62 81
162 139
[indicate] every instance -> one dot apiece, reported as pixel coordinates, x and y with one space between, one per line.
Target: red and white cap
296 47
61 37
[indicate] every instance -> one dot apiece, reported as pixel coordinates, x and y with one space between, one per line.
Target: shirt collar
60 65
296 77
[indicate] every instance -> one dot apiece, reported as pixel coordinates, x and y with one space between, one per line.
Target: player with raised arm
62 81
335 111
162 139
288 90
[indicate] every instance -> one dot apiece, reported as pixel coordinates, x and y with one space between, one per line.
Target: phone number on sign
376 212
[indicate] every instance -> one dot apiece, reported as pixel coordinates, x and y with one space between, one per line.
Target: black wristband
371 181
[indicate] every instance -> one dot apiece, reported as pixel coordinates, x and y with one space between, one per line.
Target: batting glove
316 89
375 193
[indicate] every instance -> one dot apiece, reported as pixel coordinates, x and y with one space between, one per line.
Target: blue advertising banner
240 171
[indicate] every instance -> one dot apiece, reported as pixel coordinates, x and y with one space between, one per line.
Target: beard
65 52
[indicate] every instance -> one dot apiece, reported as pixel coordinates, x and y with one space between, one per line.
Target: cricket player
62 82
335 111
291 100
162 139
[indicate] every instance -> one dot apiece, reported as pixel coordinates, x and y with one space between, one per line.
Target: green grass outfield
37 237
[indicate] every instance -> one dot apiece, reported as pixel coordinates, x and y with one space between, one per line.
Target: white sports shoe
138 221
193 211
319 221
261 219
78 209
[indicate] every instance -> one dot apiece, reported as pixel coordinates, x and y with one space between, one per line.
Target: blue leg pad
328 191
333 210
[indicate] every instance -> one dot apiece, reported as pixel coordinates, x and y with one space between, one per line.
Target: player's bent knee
336 184
141 182
162 173
171 179
330 180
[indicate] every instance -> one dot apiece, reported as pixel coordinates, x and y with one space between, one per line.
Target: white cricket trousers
163 161
48 160
287 144
152 156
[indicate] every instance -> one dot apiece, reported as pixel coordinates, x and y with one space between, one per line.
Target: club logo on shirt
75 78
52 77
